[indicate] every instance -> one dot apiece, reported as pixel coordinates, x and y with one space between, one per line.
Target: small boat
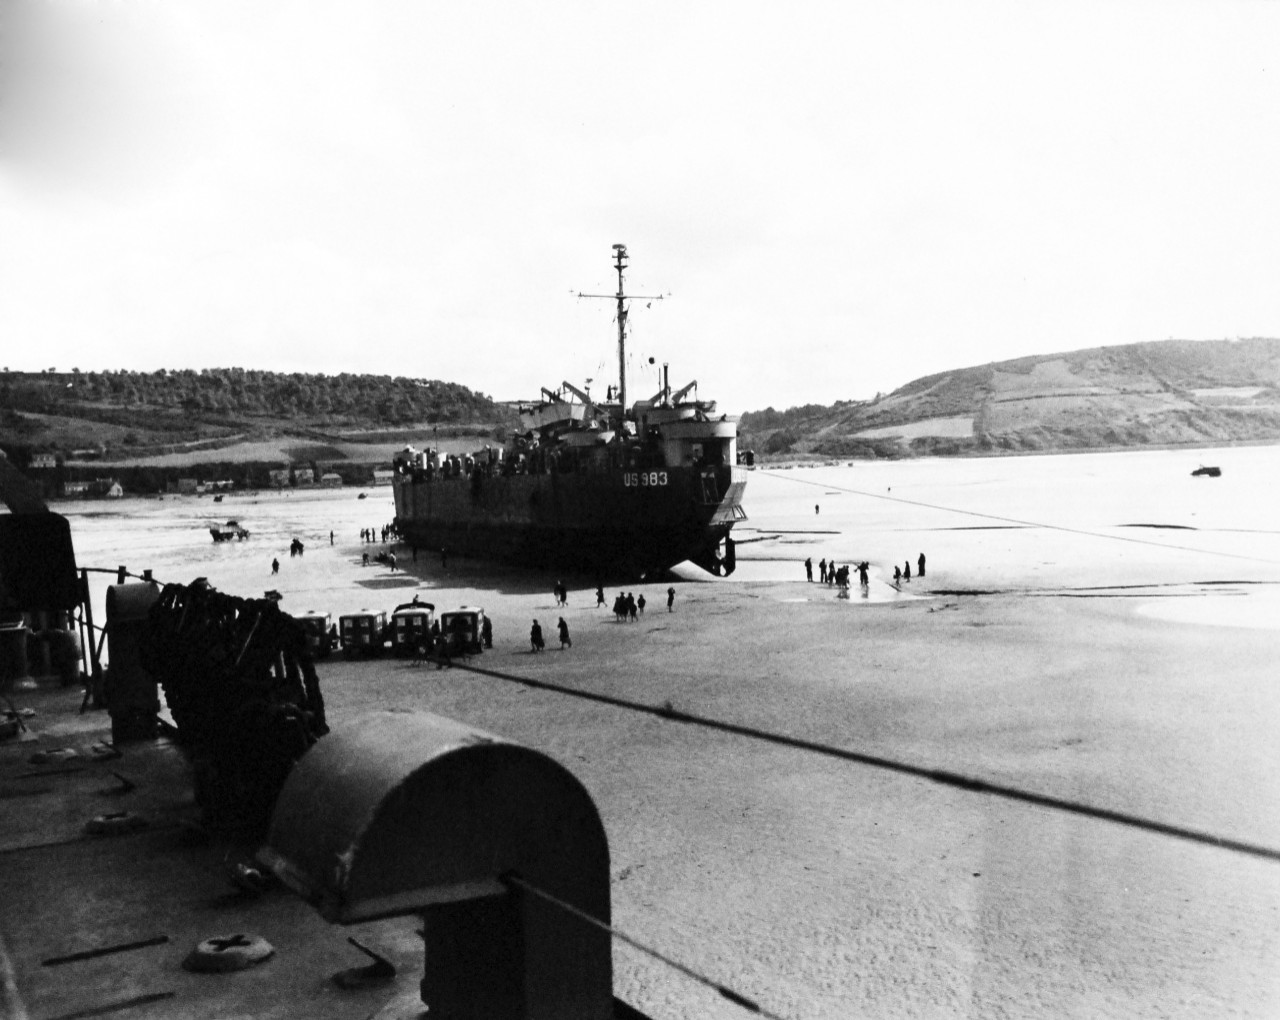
226 532
1207 472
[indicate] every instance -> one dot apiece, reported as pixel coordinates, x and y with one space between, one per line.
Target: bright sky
839 197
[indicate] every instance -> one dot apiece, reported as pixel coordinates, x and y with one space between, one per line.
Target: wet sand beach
1001 790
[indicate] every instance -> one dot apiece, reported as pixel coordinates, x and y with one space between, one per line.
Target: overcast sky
838 197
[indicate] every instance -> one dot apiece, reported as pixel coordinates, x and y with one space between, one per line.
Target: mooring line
737 998
942 777
1023 523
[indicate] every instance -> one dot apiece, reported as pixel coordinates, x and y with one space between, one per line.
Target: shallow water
1032 524
170 536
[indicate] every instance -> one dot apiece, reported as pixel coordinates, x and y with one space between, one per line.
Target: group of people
831 574
903 573
296 548
371 534
628 607
625 607
536 641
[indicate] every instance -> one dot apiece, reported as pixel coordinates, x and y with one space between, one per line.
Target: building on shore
101 488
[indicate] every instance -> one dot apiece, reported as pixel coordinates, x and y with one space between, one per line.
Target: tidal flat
1040 781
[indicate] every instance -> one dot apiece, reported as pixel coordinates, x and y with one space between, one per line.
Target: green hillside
137 413
148 426
1171 392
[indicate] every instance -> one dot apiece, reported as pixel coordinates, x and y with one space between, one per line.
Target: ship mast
620 260
620 263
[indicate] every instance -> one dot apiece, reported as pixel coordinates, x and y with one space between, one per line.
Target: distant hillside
101 422
134 414
1169 392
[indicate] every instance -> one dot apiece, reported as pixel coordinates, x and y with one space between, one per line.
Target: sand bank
830 887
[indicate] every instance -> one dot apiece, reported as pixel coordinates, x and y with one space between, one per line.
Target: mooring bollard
402 813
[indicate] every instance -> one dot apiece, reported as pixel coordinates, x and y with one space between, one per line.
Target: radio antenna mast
620 263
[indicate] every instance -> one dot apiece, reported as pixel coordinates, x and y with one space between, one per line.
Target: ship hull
617 523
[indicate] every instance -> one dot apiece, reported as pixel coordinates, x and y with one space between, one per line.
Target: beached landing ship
602 487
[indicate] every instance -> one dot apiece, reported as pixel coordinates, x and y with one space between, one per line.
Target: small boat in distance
1207 472
228 531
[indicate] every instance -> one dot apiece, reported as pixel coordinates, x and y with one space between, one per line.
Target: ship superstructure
588 485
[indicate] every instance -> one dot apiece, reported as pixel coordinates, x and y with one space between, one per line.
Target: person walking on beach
897 575
564 635
822 570
808 569
599 595
391 558
631 607
486 632
863 581
535 637
640 603
275 566
671 598
906 571
920 566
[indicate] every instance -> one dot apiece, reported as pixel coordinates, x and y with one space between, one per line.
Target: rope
943 777
1019 521
737 998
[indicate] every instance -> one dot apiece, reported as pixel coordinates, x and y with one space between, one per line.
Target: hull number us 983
644 479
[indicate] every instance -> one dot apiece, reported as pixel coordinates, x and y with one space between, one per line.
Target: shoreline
829 872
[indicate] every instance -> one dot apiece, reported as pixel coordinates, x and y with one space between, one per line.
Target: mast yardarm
620 263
